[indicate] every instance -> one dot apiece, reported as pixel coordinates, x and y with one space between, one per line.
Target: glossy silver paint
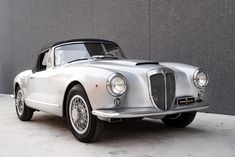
45 90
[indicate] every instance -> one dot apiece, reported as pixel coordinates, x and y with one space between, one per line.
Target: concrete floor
210 135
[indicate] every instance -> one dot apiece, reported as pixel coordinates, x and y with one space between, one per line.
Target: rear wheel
179 120
84 126
24 112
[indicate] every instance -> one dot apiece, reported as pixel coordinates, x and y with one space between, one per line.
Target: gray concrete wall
198 32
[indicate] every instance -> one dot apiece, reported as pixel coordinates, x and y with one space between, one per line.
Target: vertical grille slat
163 89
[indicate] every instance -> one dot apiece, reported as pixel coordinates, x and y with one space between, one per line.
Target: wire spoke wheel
20 102
24 112
84 126
79 115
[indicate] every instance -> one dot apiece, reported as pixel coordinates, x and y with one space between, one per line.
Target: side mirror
34 69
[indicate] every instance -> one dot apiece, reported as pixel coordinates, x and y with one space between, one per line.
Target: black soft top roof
77 40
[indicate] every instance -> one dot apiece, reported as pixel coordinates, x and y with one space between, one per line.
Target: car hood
133 62
132 65
118 65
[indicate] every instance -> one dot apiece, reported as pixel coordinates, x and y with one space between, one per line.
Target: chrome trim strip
165 89
44 103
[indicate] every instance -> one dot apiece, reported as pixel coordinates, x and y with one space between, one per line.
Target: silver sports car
90 81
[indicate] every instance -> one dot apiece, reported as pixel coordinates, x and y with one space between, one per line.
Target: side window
49 59
42 61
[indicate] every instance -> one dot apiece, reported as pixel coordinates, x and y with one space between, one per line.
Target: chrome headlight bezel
110 86
196 78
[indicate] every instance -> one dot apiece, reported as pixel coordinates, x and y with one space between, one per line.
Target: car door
40 86
36 95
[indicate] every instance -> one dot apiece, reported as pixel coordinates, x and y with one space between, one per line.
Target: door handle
31 77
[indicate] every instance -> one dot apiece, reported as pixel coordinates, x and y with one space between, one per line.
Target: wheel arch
68 88
15 87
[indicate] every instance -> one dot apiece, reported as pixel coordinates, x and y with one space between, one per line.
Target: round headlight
200 78
116 84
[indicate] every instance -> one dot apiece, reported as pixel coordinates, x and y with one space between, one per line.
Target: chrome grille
170 89
163 89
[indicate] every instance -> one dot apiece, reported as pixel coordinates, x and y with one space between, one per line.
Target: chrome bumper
146 112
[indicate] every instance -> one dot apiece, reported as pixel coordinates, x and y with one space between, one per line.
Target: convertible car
90 81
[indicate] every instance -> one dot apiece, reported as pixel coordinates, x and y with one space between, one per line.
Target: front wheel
84 126
179 120
24 112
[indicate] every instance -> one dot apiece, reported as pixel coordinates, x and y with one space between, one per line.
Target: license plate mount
185 100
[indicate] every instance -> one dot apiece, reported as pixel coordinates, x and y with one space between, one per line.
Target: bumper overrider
106 114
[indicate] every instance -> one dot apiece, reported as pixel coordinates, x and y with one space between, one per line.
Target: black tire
27 112
179 120
94 126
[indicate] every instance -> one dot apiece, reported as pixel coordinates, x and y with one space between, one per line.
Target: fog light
200 94
117 101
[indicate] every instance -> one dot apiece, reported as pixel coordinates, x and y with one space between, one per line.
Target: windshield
74 52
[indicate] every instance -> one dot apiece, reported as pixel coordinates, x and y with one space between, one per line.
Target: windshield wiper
80 59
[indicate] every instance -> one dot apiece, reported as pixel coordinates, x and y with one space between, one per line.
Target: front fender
184 79
94 82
